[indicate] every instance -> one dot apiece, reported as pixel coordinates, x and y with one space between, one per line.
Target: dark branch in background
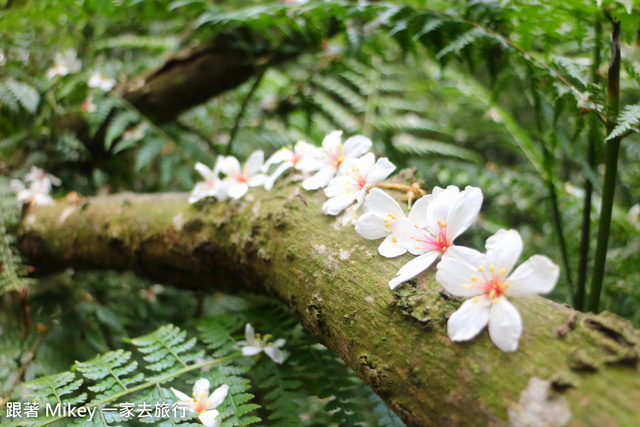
195 76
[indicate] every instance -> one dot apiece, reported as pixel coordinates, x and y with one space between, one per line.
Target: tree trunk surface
570 369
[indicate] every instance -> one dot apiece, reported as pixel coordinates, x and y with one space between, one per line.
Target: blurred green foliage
496 94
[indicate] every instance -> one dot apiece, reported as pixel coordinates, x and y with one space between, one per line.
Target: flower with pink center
238 178
302 157
212 186
40 184
359 175
331 160
448 213
465 272
382 217
202 402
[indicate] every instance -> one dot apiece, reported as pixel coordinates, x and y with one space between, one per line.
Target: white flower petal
336 186
504 249
406 233
382 169
320 179
356 146
418 214
201 388
371 226
249 333
464 212
274 353
284 154
438 210
229 165
180 395
257 180
456 269
390 249
217 397
337 204
250 350
413 268
279 342
210 418
505 325
237 190
203 170
254 163
537 275
268 184
382 204
469 320
332 140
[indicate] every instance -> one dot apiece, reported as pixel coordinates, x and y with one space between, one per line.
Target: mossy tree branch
278 243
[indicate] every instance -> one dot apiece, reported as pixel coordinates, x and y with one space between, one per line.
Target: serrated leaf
26 95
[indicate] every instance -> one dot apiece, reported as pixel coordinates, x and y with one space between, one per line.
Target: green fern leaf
118 125
461 42
25 94
627 121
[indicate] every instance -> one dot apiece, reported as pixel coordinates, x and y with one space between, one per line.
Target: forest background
535 102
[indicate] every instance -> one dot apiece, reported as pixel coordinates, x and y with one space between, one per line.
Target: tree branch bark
278 243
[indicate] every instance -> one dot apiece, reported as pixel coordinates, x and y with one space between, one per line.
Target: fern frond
25 94
627 121
118 125
461 42
166 349
130 41
111 370
52 389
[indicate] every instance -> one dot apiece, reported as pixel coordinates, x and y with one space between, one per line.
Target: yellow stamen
480 269
475 299
394 240
466 286
491 269
503 271
474 278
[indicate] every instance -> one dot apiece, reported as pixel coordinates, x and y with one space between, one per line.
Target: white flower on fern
331 158
301 157
202 402
212 186
382 218
240 178
255 344
359 175
448 213
465 272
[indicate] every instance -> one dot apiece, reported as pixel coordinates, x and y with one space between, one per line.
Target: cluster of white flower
68 63
204 403
40 184
348 174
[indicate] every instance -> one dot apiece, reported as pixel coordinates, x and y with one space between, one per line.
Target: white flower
239 179
466 272
44 180
302 157
203 403
36 194
359 175
382 218
449 212
101 81
212 186
255 344
333 155
64 64
39 188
